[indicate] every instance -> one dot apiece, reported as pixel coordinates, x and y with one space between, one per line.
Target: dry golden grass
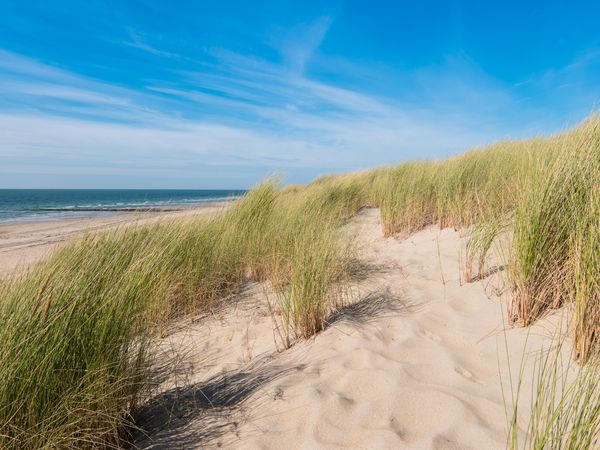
74 329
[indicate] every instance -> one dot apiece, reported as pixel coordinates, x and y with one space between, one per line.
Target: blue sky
207 94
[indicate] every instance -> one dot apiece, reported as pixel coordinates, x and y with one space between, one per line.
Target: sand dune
415 360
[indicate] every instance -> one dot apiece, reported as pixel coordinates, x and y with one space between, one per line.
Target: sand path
412 363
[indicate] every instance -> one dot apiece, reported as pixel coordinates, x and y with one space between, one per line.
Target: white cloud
298 45
245 113
138 41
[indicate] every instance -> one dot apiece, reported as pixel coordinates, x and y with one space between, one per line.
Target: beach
432 305
417 359
23 243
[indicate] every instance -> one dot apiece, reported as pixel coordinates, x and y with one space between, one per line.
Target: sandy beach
21 244
299 225
417 359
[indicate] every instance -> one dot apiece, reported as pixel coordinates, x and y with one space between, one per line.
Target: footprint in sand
346 403
465 373
430 335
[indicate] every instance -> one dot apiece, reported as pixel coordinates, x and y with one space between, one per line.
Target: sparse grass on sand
564 408
74 330
545 191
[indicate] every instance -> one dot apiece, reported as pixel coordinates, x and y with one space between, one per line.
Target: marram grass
555 246
75 329
564 407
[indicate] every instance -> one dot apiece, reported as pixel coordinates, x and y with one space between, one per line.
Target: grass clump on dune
313 274
556 237
74 330
564 407
458 192
72 345
406 196
312 258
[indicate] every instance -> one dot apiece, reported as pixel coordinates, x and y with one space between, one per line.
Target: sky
221 94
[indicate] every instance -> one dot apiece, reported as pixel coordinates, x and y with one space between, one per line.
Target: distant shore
23 242
33 205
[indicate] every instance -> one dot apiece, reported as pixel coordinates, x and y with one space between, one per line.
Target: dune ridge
410 362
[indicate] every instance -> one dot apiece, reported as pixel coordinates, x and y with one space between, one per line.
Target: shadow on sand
371 307
488 273
209 413
204 412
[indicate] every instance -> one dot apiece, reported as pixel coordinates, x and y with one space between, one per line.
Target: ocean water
22 205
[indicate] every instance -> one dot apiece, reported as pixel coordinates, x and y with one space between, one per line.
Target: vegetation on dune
74 330
555 246
564 404
545 191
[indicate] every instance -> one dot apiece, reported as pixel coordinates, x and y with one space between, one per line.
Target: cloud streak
225 111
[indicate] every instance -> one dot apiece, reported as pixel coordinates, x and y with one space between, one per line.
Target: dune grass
74 330
544 191
555 251
564 407
72 345
458 192
308 275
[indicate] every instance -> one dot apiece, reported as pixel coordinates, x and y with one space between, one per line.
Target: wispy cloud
29 86
226 110
138 41
297 45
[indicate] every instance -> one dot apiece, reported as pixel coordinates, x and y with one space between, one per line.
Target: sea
25 205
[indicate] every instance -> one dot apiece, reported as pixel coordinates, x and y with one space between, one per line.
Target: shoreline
99 212
24 243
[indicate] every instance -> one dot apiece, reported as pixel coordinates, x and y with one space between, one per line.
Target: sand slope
412 363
